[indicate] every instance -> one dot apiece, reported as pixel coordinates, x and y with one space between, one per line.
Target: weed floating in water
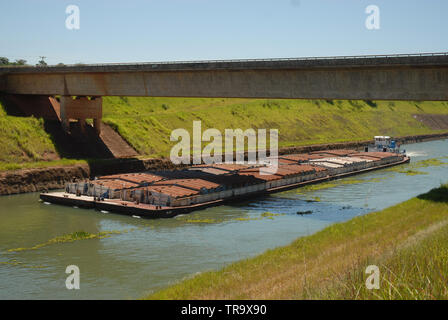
264 215
75 236
411 172
270 215
16 263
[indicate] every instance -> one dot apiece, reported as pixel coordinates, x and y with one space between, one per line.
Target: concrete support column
97 120
64 107
81 108
82 125
97 125
65 122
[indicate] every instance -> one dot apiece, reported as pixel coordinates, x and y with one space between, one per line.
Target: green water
147 255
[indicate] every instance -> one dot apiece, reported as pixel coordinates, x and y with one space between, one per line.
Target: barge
164 194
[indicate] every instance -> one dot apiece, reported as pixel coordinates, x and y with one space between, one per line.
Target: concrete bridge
391 77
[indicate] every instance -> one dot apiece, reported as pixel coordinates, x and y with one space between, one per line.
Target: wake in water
416 154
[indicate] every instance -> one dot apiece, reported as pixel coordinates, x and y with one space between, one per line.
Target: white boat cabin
382 141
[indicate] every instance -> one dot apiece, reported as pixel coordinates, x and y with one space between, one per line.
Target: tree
42 62
20 62
4 61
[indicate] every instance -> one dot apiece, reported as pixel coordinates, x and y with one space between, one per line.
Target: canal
141 256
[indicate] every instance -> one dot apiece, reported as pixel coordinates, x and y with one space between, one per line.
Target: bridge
375 77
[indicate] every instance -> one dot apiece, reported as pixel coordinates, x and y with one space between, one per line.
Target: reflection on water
150 254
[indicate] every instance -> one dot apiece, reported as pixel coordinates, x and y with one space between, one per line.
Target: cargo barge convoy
164 194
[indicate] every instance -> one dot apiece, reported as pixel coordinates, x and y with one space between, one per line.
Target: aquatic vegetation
335 183
271 215
433 162
201 221
246 219
411 172
71 237
14 262
409 169
264 215
198 218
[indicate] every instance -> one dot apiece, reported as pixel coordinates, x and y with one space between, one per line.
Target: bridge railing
273 59
180 62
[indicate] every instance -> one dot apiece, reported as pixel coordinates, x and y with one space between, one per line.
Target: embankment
361 144
408 242
32 180
41 179
146 123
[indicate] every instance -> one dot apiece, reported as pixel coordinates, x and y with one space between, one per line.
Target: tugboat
384 144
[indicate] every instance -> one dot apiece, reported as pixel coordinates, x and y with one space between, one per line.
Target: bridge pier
81 108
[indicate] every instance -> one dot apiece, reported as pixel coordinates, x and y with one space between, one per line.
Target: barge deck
145 198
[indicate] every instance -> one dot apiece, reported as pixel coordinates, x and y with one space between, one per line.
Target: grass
146 123
5 166
419 271
25 144
23 139
408 242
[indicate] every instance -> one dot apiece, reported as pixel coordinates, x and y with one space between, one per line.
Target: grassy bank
25 144
23 139
146 123
408 242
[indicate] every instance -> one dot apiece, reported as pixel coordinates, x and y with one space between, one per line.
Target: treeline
21 62
5 62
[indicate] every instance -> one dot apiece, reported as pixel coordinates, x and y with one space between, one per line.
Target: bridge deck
390 77
422 59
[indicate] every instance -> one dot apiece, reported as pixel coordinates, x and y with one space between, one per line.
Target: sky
171 30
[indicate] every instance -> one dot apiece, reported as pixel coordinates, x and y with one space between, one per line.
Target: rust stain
66 93
145 84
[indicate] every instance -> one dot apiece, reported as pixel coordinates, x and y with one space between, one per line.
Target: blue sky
146 30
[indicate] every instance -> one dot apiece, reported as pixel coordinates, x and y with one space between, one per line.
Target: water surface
151 254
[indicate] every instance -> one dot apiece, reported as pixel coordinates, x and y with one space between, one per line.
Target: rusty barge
164 194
